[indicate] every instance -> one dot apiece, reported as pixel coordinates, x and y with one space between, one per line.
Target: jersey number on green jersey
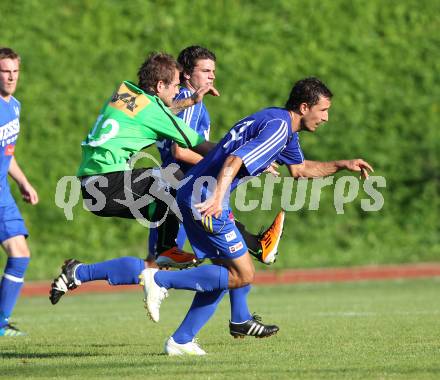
102 132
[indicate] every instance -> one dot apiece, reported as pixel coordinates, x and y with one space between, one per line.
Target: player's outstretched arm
182 104
27 191
315 169
358 165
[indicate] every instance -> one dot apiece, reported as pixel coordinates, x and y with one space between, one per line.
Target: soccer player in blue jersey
13 232
198 65
198 70
254 143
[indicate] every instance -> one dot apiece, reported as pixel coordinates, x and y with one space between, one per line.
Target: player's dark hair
307 91
189 56
6 52
157 67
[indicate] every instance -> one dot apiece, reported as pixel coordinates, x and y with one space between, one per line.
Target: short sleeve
258 153
292 153
189 137
173 128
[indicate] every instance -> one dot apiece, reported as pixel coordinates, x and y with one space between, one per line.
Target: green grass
358 330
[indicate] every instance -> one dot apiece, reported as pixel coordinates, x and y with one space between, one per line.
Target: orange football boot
176 258
270 239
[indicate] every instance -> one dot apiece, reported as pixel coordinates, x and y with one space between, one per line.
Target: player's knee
248 273
235 279
20 251
17 247
244 278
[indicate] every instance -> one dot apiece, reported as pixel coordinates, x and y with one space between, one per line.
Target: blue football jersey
9 129
259 139
197 118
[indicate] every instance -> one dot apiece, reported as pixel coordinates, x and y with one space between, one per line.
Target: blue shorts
213 238
11 222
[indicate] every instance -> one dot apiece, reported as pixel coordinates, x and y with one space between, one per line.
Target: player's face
167 93
9 70
315 115
203 74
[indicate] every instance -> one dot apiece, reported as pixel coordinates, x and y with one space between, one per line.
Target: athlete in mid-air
254 143
13 232
133 118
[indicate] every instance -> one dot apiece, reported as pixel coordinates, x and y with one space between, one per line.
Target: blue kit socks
205 278
11 284
121 271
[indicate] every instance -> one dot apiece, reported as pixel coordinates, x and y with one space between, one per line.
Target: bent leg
206 278
223 274
241 270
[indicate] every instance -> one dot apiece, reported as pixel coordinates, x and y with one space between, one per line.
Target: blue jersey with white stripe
9 129
197 118
259 139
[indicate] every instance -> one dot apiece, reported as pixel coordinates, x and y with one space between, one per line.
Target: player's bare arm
185 155
273 169
315 169
180 105
213 205
204 148
28 192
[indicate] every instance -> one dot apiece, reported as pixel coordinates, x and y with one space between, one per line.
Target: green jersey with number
130 121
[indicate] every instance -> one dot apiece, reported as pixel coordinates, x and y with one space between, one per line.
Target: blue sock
152 243
181 237
121 271
205 278
239 309
201 310
11 284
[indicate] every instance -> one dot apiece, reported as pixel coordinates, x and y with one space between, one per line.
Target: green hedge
380 58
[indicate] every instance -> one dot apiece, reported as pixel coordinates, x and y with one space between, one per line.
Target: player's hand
202 91
359 165
211 207
272 168
29 193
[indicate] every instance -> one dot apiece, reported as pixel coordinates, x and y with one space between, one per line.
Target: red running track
270 277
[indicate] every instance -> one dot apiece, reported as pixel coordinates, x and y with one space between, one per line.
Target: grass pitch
363 330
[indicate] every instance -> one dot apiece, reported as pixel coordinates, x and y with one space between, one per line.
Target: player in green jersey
135 117
131 120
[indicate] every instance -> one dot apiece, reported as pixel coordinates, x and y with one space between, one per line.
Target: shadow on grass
48 355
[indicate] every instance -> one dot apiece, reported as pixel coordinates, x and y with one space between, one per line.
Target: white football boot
154 294
191 348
